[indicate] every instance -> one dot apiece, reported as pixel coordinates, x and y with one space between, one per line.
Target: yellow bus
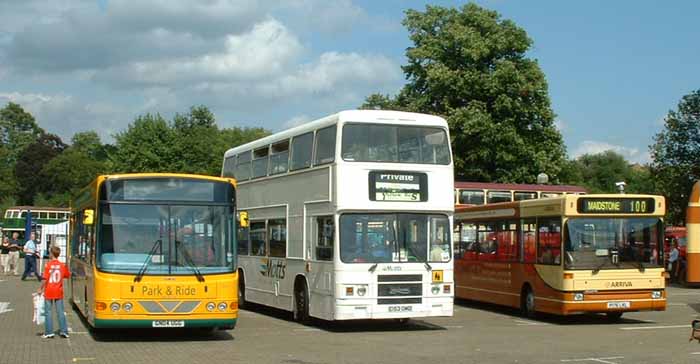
155 250
565 255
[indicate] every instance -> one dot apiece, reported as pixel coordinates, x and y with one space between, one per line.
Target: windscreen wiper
427 265
158 243
189 261
373 268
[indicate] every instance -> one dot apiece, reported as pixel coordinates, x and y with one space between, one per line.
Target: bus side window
243 241
277 232
324 238
549 241
486 238
507 242
528 240
258 238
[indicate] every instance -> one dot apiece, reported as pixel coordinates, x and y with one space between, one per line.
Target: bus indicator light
100 306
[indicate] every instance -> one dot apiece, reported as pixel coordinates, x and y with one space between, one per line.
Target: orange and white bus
565 255
481 193
692 249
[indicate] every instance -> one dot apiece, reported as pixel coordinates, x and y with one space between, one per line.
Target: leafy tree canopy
599 173
676 155
30 163
469 66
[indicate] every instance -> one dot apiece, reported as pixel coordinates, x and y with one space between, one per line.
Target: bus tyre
241 290
614 316
527 302
301 303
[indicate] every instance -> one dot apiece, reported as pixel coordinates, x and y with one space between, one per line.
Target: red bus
480 193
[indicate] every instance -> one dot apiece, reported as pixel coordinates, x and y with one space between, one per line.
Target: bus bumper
569 303
226 324
362 309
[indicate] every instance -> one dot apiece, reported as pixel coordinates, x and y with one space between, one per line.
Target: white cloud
632 154
560 124
296 121
63 115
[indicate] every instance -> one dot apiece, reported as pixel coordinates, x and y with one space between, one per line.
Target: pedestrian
5 255
673 260
30 254
15 247
52 288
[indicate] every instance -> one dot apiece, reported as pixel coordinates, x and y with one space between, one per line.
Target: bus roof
359 116
519 187
163 175
38 208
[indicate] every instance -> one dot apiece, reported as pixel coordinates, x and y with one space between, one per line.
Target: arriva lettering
620 284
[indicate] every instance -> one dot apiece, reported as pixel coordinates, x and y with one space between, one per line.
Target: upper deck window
229 166
325 145
279 160
521 196
498 196
471 197
396 144
302 149
260 162
243 166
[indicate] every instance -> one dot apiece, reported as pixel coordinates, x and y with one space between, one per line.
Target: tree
675 155
469 66
30 163
195 138
146 146
18 129
599 173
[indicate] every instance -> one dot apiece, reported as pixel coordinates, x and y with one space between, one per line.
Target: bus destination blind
616 205
398 186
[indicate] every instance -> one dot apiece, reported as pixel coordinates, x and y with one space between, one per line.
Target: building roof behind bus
518 187
359 116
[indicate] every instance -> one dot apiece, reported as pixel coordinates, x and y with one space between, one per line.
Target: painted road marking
75 360
529 323
655 327
5 307
597 360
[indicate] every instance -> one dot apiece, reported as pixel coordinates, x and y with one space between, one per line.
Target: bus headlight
435 289
211 306
655 294
114 307
222 306
578 296
361 291
128 307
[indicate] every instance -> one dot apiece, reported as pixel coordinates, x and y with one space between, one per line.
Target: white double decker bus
349 217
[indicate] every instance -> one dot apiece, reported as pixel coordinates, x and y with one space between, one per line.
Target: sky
614 69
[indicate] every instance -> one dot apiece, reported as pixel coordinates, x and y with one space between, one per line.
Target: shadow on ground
579 319
349 325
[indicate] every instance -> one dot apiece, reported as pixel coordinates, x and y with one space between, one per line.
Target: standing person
673 261
5 255
15 247
30 254
52 288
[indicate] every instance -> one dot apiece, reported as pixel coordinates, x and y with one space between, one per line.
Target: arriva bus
155 250
349 217
691 274
565 255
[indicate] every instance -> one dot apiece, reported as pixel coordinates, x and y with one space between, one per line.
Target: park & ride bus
155 250
349 217
481 193
565 255
691 274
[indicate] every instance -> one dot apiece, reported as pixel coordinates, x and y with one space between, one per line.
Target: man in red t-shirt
52 287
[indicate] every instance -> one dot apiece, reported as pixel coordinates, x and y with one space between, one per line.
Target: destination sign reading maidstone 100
616 205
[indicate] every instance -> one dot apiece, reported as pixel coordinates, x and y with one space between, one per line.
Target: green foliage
146 146
676 155
30 163
599 173
469 66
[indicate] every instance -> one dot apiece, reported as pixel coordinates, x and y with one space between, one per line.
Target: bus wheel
527 302
301 303
614 316
241 290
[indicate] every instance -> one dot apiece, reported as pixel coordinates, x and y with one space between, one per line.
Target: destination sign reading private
397 186
616 205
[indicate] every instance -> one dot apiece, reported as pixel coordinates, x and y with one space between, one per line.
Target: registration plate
400 308
624 304
168 323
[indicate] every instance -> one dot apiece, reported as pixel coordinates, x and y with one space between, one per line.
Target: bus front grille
169 306
400 278
399 301
400 289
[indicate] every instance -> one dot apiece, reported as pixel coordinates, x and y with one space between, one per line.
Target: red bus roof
519 187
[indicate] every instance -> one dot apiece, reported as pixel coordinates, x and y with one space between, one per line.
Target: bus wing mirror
243 219
88 217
